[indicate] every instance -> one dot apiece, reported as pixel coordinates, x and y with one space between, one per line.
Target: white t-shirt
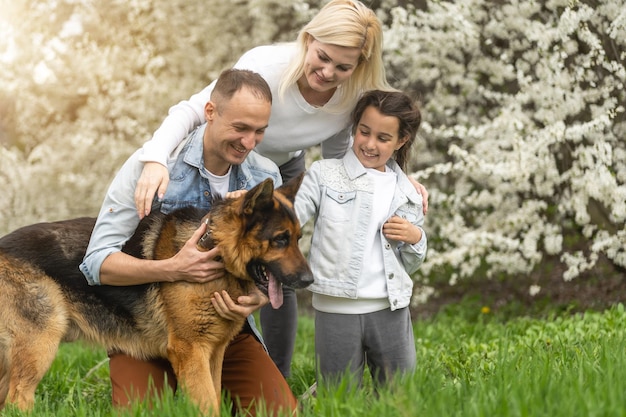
373 283
219 183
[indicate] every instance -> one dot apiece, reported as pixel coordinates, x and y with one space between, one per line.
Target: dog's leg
4 374
34 320
216 361
191 365
31 359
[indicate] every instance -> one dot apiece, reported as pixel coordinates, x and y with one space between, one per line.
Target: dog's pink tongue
275 292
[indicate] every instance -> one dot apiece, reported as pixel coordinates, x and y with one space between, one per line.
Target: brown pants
248 374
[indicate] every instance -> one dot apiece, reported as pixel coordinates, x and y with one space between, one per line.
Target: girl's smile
376 138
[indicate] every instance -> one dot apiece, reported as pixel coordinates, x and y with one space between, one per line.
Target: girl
367 241
316 82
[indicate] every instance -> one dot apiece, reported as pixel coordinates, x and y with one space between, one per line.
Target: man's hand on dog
245 305
193 265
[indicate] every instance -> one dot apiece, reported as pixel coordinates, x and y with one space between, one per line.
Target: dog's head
258 234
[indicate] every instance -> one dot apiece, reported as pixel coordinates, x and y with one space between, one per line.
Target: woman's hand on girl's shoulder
421 190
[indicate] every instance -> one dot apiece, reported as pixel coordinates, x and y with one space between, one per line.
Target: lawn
468 365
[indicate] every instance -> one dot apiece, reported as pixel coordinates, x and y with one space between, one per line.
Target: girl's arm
308 197
413 251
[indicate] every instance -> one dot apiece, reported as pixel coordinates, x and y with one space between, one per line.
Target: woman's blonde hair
347 23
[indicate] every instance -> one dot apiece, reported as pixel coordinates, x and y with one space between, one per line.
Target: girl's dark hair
396 104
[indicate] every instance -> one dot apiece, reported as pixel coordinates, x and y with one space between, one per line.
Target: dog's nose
304 280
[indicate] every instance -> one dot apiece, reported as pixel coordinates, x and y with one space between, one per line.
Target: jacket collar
194 157
194 153
355 169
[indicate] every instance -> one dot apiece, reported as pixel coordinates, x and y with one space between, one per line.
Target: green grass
469 364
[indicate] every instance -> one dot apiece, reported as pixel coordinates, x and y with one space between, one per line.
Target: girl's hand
396 228
154 179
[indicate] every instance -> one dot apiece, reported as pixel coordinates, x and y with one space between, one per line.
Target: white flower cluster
522 146
525 153
85 83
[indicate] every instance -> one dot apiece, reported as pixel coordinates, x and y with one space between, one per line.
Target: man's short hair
232 80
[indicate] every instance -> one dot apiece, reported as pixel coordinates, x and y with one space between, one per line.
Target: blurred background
522 147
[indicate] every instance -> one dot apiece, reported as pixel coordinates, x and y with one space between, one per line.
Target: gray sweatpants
344 343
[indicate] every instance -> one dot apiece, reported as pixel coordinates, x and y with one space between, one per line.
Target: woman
316 82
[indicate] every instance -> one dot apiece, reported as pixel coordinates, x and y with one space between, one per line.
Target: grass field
468 365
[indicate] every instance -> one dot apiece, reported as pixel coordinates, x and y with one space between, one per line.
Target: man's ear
209 111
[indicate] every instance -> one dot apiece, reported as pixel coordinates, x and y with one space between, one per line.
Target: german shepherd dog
45 299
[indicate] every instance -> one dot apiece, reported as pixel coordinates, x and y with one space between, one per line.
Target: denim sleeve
412 256
117 220
258 168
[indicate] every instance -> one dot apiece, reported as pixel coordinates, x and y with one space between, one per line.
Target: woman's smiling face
326 66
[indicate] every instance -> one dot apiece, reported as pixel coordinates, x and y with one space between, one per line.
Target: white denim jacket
339 195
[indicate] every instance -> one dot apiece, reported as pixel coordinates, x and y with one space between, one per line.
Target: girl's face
326 66
376 138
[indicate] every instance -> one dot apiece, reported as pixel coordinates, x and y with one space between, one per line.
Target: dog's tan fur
44 299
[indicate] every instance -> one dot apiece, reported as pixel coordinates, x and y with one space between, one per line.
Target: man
214 159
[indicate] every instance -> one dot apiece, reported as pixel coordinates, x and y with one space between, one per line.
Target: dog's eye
282 240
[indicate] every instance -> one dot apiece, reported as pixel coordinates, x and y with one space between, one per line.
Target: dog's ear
259 197
290 188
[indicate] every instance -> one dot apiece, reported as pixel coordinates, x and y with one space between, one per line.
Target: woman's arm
181 119
421 190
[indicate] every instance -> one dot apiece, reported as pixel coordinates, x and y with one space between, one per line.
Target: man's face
235 130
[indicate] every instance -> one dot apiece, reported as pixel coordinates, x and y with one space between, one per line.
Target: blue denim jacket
340 197
189 185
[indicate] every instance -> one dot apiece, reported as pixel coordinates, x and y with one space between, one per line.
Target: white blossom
522 145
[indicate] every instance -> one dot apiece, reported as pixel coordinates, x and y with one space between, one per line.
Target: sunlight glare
8 50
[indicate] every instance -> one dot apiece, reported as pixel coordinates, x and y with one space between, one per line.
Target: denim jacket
189 185
338 194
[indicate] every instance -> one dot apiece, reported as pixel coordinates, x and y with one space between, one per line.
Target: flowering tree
524 137
85 83
523 146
